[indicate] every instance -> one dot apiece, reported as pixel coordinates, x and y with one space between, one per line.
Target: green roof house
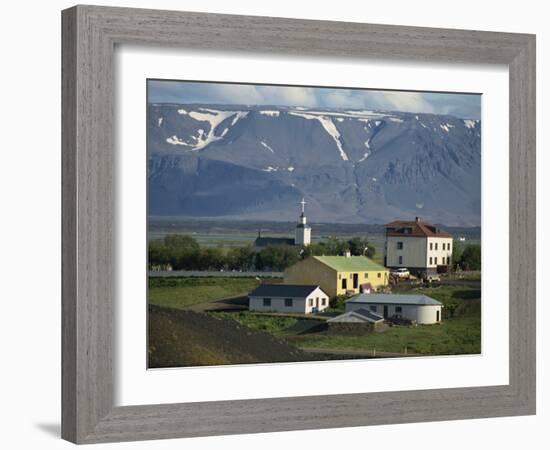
338 275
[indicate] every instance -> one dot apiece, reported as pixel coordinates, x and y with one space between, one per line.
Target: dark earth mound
185 338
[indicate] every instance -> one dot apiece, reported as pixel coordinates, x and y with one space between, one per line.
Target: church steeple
303 219
303 230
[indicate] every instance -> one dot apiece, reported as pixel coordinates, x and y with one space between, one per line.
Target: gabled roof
393 299
350 263
283 290
361 314
415 228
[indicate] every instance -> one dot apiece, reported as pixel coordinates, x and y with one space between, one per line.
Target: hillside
180 338
352 166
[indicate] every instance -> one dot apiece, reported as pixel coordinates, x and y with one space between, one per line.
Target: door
385 311
355 281
437 316
344 283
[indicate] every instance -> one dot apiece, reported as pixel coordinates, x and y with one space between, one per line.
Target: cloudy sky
467 106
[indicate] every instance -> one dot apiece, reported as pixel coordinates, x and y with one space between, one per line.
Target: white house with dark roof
289 298
418 308
417 245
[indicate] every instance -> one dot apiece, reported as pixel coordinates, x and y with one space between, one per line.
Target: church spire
303 230
303 219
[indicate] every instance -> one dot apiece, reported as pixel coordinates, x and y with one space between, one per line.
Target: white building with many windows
417 245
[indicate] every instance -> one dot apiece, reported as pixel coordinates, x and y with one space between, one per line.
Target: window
398 309
366 274
435 260
373 308
448 260
400 260
310 302
379 275
430 260
267 302
400 246
324 302
339 276
436 245
288 302
431 245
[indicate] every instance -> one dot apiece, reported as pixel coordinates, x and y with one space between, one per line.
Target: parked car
433 277
402 272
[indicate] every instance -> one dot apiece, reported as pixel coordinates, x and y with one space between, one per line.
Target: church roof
264 241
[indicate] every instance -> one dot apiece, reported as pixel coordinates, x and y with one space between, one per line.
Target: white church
302 234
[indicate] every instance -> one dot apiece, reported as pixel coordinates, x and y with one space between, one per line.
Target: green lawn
452 337
458 335
182 292
276 325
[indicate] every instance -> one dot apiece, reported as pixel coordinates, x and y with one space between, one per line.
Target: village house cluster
418 247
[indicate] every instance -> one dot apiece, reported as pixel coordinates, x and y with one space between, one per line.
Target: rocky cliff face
351 165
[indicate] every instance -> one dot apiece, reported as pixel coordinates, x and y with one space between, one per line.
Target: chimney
347 254
417 219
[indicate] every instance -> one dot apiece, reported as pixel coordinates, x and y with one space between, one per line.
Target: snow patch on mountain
213 117
270 113
329 127
267 146
468 123
239 115
174 140
160 121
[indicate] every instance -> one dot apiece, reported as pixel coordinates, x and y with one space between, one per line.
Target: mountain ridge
257 162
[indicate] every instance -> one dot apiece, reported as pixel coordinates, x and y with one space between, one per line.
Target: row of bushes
183 252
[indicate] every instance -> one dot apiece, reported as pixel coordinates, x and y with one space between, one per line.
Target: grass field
451 337
180 293
460 334
275 325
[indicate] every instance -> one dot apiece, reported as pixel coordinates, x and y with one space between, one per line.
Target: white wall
299 304
413 251
440 254
30 194
278 304
426 314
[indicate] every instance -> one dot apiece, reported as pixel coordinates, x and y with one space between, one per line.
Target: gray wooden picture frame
90 34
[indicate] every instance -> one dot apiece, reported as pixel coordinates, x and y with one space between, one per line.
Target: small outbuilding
360 319
288 298
416 308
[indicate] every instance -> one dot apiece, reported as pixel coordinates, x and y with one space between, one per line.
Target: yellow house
337 275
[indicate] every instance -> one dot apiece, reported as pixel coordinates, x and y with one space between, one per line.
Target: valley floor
205 321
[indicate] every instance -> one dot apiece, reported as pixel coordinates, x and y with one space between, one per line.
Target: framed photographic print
264 229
